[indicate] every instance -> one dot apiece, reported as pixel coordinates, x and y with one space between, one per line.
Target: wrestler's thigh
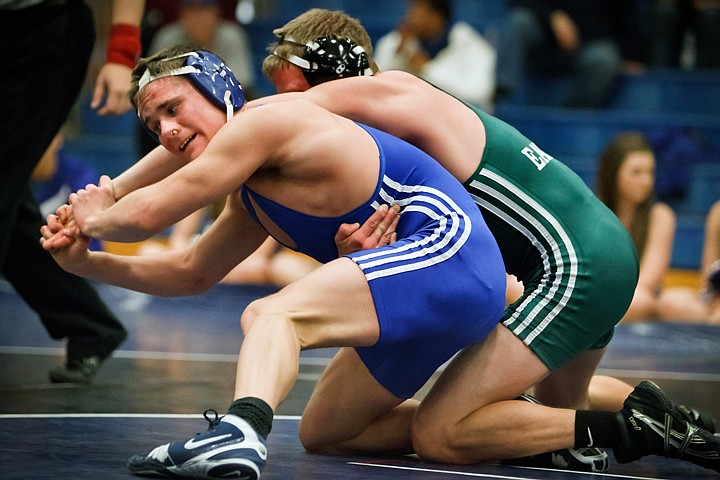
330 307
344 402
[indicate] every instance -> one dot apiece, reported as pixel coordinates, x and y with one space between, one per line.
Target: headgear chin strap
329 58
210 76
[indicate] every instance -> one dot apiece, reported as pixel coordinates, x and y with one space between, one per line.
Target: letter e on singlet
537 156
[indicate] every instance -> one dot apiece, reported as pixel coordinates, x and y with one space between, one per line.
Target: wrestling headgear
210 76
329 58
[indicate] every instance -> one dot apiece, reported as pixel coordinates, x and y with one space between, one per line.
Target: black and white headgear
329 58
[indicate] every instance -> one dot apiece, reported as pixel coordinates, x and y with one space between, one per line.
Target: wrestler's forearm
163 274
153 167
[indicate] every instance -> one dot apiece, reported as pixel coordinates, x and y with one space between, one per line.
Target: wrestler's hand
91 200
59 230
67 245
377 231
112 85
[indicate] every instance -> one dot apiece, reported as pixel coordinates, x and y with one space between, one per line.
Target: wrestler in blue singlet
433 293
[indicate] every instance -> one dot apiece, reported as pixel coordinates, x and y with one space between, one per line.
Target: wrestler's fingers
46 232
389 222
388 235
376 220
345 231
63 213
48 239
53 223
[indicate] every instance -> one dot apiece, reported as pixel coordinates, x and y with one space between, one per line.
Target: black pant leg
47 54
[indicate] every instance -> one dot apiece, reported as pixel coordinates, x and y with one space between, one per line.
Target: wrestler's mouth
187 142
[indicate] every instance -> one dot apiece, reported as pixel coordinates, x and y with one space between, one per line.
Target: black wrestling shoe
589 459
698 418
651 424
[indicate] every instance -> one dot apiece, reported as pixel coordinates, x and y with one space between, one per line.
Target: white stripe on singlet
425 250
529 216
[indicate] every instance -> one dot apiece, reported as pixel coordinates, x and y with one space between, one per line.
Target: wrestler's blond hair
308 27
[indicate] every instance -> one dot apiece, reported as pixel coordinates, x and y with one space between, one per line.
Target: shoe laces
215 421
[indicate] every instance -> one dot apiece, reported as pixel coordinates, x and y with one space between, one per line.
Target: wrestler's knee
264 309
313 440
249 315
436 440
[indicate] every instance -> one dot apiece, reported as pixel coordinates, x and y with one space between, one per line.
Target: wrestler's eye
154 127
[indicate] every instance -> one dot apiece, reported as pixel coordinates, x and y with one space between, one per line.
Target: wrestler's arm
187 271
383 101
235 151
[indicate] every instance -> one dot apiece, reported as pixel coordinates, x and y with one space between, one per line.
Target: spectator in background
57 175
591 41
451 55
684 304
672 23
625 183
201 23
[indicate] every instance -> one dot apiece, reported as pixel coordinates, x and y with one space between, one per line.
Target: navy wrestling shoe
229 449
651 424
588 459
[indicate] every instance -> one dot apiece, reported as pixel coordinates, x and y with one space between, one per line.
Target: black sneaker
589 459
78 371
229 449
84 360
651 424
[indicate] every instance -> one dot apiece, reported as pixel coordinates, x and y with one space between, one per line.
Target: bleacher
649 103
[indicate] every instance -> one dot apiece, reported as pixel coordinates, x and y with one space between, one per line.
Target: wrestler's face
181 117
636 176
289 79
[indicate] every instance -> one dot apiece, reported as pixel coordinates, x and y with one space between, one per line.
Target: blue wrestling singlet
439 288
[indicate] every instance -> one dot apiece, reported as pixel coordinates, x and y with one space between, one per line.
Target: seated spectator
200 23
684 304
451 55
674 23
591 42
625 183
57 175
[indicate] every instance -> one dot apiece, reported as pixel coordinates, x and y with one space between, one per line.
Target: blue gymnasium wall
650 103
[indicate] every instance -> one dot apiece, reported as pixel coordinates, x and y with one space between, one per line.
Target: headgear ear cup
215 80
